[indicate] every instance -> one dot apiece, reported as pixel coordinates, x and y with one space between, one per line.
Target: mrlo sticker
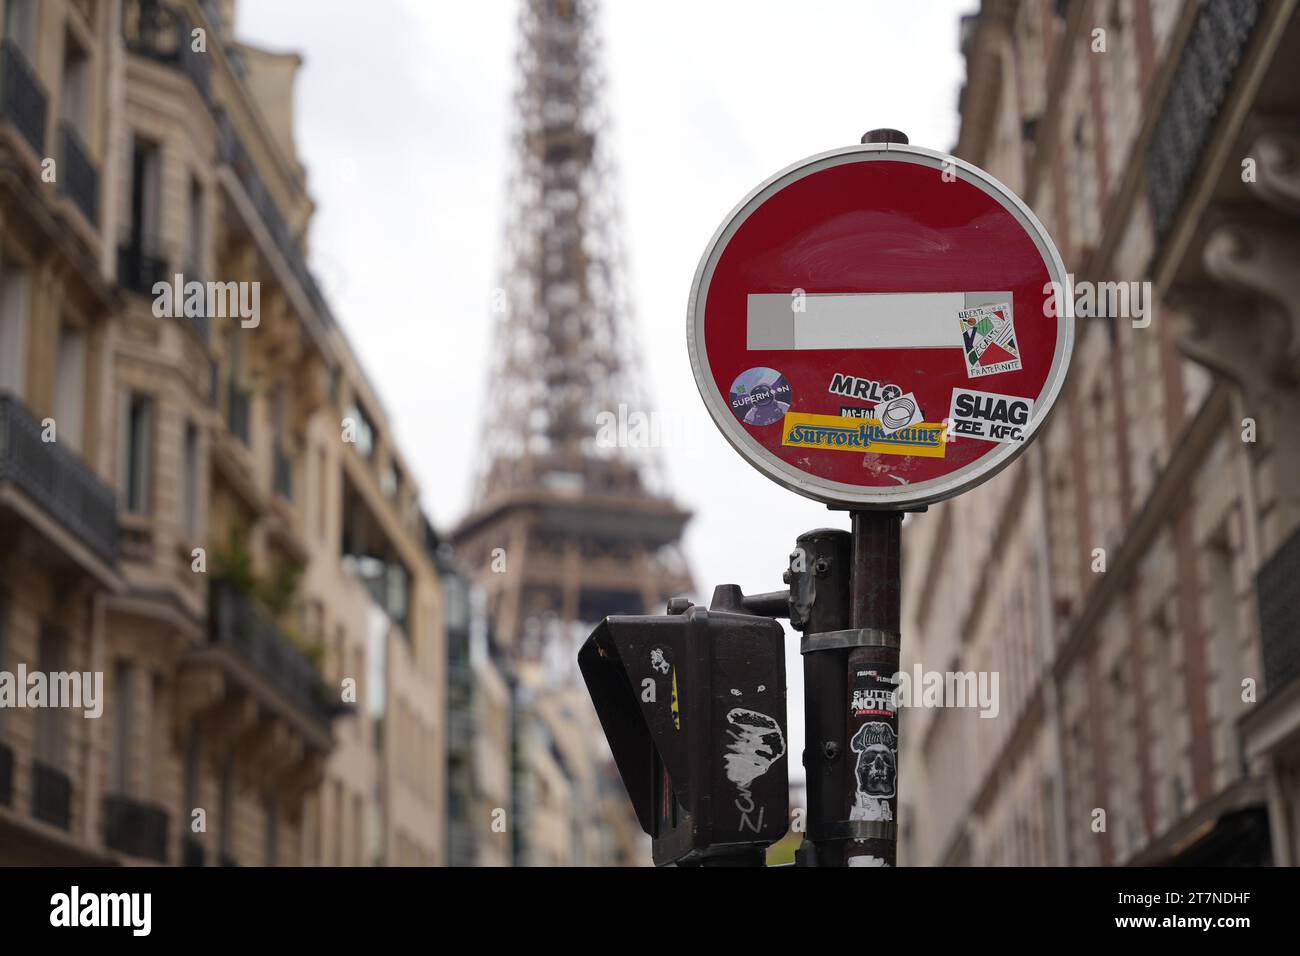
989 340
990 416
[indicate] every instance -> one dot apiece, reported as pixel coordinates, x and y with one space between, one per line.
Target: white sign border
841 493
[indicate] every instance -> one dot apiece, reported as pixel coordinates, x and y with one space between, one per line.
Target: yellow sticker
865 436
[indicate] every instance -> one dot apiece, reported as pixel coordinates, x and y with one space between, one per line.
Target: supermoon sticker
760 396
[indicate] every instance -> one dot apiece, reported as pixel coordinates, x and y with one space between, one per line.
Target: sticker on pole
880 326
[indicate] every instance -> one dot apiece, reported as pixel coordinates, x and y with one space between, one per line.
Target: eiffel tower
566 526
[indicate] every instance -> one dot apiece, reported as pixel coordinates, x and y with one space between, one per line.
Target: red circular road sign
880 326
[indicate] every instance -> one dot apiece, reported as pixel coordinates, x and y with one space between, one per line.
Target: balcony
231 152
51 795
140 267
135 828
1199 88
78 175
162 33
22 101
6 776
56 480
235 622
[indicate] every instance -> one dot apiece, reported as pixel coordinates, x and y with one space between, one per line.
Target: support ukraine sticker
865 436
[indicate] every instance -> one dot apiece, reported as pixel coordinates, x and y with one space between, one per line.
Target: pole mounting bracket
851 637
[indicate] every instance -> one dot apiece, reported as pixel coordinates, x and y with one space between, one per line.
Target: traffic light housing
693 707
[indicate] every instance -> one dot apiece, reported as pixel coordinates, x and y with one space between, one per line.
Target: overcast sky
403 120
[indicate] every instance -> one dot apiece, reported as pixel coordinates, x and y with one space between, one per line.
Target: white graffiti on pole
756 743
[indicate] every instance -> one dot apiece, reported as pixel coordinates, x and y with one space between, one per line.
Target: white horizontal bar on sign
864 320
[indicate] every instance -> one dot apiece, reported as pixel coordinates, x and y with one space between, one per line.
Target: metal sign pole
871 794
820 584
845 597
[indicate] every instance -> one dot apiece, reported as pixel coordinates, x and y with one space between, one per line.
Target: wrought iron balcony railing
163 33
57 480
140 267
1200 85
236 622
78 175
135 828
22 100
231 152
51 795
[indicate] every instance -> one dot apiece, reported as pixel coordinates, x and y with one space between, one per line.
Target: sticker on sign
992 417
905 311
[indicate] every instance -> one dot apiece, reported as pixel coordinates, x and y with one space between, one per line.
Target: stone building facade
1132 577
208 510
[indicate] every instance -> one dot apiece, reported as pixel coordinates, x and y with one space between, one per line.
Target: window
190 482
365 432
70 385
13 327
322 492
226 811
5 664
193 777
235 355
390 482
1226 664
146 175
358 831
1168 723
195 259
397 593
51 658
280 415
272 830
137 453
20 25
119 771
75 108
340 828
